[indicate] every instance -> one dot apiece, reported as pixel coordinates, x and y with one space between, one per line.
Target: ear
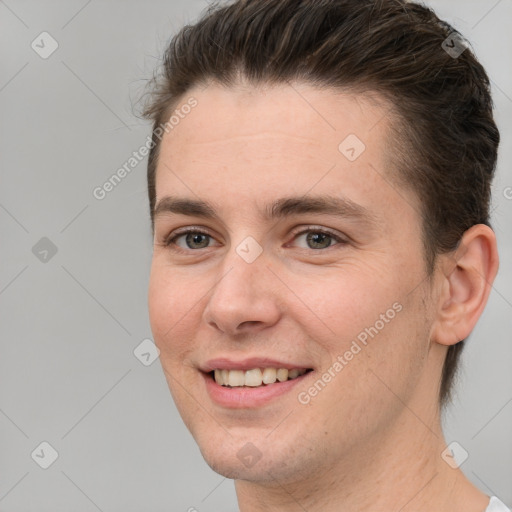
467 277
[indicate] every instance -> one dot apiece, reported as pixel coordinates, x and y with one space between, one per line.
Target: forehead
258 141
305 114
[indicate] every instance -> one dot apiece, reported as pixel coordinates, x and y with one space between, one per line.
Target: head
281 96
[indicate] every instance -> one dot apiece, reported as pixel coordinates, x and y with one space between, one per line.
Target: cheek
369 317
159 303
348 299
171 308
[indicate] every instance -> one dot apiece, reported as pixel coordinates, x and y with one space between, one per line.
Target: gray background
69 325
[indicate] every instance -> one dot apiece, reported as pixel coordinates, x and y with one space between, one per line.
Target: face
299 276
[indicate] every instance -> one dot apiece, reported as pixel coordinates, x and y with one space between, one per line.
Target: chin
238 458
231 470
257 461
262 472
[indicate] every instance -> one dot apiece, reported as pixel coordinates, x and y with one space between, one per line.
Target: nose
244 298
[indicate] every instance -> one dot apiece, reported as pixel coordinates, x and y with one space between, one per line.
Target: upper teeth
255 377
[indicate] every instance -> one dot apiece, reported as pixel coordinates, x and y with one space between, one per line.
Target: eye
192 239
318 238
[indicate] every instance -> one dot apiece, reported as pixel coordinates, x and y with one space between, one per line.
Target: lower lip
247 397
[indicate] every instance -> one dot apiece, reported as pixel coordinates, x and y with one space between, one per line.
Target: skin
371 439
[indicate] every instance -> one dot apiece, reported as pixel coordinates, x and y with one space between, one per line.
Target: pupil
195 238
317 239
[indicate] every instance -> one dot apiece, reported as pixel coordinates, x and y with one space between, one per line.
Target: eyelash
169 241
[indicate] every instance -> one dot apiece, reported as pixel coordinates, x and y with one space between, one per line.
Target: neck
401 470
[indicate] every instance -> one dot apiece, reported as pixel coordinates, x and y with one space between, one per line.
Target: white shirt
495 505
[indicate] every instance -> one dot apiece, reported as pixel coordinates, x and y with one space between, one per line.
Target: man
332 161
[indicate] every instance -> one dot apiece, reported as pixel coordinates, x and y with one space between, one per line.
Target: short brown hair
395 48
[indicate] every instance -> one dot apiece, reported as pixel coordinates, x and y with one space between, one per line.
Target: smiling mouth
256 377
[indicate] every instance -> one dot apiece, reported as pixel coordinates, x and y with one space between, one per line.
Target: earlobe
466 281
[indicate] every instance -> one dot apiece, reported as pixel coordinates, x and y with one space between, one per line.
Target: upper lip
224 363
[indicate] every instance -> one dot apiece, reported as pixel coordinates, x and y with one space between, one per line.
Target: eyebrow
280 208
